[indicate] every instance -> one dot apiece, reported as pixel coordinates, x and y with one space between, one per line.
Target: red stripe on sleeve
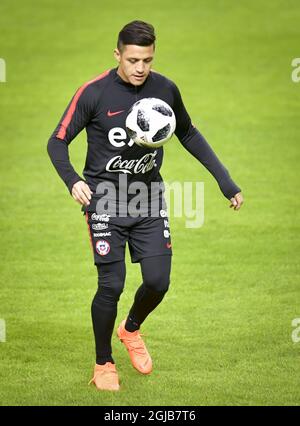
68 117
89 229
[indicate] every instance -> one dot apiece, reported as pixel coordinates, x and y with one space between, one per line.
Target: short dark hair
136 32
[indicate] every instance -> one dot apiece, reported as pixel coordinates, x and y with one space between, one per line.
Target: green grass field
222 336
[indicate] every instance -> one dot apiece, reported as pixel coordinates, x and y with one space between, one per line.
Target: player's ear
117 55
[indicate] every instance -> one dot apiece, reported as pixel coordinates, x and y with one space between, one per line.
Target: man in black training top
101 106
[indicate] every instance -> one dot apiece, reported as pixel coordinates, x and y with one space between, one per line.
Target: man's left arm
194 142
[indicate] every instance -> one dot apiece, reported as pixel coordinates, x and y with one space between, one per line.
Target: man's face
134 63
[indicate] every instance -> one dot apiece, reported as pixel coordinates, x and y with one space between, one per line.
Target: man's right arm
75 118
59 154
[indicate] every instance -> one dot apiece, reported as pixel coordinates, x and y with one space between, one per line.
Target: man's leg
108 240
111 278
156 278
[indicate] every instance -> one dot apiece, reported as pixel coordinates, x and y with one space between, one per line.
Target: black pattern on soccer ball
133 106
162 133
131 133
163 110
143 121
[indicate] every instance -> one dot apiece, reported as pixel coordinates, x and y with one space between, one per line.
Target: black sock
111 279
103 317
145 302
131 325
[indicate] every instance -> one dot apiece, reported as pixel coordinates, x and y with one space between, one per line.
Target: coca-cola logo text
133 166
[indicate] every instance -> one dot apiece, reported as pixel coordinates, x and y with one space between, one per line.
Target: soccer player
100 106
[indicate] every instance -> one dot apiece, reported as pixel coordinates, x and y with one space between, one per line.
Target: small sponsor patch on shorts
102 247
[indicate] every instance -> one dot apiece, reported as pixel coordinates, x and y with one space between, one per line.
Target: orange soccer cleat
106 377
138 353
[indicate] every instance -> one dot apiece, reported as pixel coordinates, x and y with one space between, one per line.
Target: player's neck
122 75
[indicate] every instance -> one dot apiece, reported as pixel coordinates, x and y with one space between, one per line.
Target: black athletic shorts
146 236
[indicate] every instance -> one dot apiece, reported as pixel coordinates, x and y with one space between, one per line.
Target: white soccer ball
150 122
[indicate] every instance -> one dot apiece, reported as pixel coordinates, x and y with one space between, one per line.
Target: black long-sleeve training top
100 106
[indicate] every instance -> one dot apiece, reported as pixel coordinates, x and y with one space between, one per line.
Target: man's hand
237 201
81 193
